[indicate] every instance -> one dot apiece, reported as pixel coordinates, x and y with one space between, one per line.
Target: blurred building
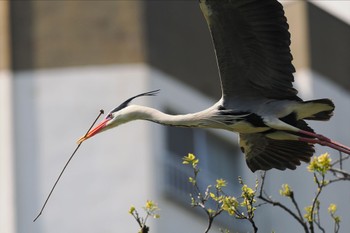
63 61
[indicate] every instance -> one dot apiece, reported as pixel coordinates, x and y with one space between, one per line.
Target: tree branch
296 205
275 203
337 171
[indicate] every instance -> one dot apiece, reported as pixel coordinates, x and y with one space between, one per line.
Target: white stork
251 41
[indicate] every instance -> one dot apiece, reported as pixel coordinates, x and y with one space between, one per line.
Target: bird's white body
270 112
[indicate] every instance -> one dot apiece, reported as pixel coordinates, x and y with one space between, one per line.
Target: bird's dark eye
109 116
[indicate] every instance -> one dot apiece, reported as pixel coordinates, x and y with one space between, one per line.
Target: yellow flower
320 164
308 215
247 192
190 159
151 208
332 208
150 205
286 190
192 180
229 204
220 183
132 209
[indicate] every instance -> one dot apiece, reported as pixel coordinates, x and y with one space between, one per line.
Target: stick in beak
65 166
94 131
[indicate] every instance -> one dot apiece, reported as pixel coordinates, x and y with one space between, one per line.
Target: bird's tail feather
319 110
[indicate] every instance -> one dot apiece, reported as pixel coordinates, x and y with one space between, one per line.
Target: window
218 159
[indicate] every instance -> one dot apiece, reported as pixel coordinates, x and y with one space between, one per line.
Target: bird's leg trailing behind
321 110
323 141
307 136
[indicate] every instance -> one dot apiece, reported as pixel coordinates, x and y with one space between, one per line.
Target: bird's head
116 117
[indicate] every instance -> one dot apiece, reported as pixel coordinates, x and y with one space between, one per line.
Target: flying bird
259 102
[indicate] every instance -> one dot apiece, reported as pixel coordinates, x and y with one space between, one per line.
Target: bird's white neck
136 112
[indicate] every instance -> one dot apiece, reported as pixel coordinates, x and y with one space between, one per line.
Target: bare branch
275 203
318 219
340 160
337 171
296 205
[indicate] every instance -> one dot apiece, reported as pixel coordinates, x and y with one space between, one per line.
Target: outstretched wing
251 41
263 153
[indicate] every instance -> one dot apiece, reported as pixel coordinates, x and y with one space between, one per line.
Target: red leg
325 141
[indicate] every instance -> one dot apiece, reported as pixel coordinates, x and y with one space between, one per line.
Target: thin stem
145 229
251 216
338 179
275 203
136 216
210 222
318 222
336 224
339 171
64 168
296 205
263 175
341 160
320 187
253 224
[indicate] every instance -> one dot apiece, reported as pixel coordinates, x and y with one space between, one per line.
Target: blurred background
63 61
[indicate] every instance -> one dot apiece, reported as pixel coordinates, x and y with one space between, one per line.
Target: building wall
7 182
76 33
64 61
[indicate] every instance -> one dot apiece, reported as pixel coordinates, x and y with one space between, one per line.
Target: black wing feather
251 41
263 153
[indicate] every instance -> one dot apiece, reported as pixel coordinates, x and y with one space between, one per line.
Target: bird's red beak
94 131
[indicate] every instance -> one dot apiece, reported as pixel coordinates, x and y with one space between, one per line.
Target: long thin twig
296 205
320 186
252 222
344 173
318 224
64 168
275 203
340 160
210 222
